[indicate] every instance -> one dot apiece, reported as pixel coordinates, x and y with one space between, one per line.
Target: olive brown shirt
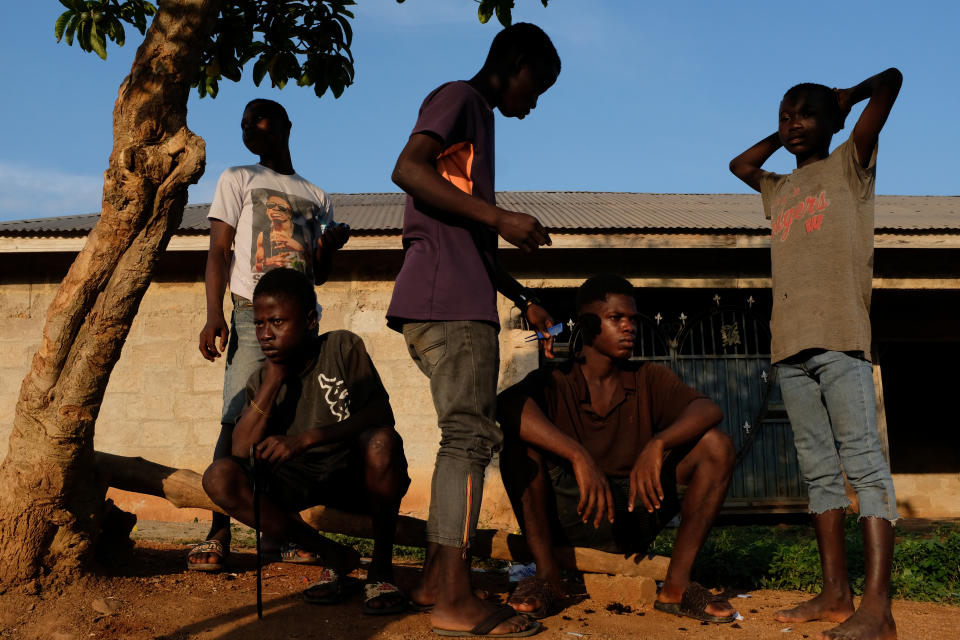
648 399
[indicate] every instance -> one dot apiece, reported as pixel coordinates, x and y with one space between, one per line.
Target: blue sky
653 97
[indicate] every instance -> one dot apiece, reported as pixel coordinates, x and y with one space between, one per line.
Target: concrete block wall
163 401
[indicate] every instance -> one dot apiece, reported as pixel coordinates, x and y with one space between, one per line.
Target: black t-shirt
338 379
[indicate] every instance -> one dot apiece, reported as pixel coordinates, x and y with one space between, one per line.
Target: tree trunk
50 499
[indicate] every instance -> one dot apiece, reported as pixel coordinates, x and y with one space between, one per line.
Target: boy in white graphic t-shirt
263 216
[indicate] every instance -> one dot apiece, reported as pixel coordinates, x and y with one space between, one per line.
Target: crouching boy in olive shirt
318 421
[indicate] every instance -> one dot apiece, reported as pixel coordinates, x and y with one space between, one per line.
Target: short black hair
272 107
598 287
521 40
289 284
822 94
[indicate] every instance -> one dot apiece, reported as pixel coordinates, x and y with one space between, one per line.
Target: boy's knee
220 477
719 449
519 464
383 447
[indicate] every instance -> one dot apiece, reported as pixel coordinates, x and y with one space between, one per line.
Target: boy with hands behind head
822 221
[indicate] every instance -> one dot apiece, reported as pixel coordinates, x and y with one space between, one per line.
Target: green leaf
61 24
485 11
259 69
71 29
119 33
504 12
83 34
97 42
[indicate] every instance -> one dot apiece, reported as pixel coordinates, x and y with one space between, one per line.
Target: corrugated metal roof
574 212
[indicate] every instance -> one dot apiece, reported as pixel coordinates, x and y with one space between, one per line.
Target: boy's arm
252 424
529 305
331 241
882 90
215 285
277 449
746 166
416 173
374 413
697 418
535 428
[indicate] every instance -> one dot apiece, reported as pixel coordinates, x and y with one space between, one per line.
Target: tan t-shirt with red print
821 221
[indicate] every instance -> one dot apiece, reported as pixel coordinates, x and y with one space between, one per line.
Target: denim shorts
829 396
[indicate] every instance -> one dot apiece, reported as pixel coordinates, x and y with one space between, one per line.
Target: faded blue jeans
243 358
462 360
829 396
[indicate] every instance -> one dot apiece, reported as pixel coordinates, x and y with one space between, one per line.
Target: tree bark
50 499
183 488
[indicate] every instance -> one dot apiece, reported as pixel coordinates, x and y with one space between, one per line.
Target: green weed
926 565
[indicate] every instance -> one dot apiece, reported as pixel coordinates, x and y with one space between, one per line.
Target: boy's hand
216 328
274 371
645 477
541 320
334 237
276 450
844 100
596 500
521 230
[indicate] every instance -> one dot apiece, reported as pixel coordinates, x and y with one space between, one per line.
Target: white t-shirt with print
277 219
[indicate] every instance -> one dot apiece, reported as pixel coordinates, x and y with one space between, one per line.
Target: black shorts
630 532
309 480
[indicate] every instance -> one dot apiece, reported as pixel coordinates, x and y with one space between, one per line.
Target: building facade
702 267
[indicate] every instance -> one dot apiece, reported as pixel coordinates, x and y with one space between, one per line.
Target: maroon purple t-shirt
448 260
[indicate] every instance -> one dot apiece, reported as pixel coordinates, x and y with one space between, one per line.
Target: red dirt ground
156 600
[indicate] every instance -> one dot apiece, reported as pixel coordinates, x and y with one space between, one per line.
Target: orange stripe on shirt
456 165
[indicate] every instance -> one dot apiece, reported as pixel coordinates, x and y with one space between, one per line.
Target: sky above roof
653 97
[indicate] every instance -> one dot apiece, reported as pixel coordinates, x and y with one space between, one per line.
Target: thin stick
256 529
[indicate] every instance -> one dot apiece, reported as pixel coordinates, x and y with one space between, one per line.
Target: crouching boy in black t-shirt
318 421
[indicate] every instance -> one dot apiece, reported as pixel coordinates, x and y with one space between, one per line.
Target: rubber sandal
374 590
290 552
693 604
538 588
330 579
480 593
203 548
488 624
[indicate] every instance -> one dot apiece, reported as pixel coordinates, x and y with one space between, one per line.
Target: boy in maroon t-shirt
445 302
594 452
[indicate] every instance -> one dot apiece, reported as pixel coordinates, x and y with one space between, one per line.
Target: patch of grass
926 565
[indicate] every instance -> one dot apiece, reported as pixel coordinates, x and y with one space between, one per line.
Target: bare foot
821 607
863 625
464 615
